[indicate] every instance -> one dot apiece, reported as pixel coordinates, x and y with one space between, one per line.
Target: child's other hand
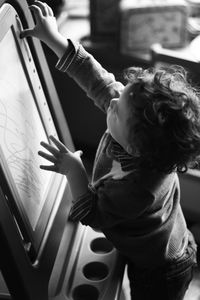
64 161
46 26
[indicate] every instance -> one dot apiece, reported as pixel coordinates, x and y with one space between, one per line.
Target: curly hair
165 118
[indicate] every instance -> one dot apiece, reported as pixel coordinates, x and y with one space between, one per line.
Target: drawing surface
21 131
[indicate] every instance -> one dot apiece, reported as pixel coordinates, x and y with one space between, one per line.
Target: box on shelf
145 22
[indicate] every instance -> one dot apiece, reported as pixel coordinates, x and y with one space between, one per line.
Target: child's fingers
49 168
38 15
40 3
47 156
50 148
27 32
43 7
46 9
50 11
58 144
37 12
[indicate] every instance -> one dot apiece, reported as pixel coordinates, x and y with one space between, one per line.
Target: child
153 132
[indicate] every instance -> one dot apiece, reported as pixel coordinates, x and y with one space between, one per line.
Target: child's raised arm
99 84
46 29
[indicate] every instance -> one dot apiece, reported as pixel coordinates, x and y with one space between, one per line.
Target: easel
72 261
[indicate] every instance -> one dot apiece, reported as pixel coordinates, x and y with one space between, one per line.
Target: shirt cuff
65 61
82 206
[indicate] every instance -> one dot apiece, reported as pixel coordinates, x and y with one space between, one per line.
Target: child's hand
46 28
64 161
46 25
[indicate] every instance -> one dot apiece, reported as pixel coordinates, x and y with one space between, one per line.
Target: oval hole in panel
95 271
85 292
101 246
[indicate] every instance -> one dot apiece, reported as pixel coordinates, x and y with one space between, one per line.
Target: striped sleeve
65 61
82 206
98 84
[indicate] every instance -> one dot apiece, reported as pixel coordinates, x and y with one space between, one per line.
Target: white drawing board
21 131
25 121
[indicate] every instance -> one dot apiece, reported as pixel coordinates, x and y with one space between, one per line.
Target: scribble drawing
21 131
20 157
